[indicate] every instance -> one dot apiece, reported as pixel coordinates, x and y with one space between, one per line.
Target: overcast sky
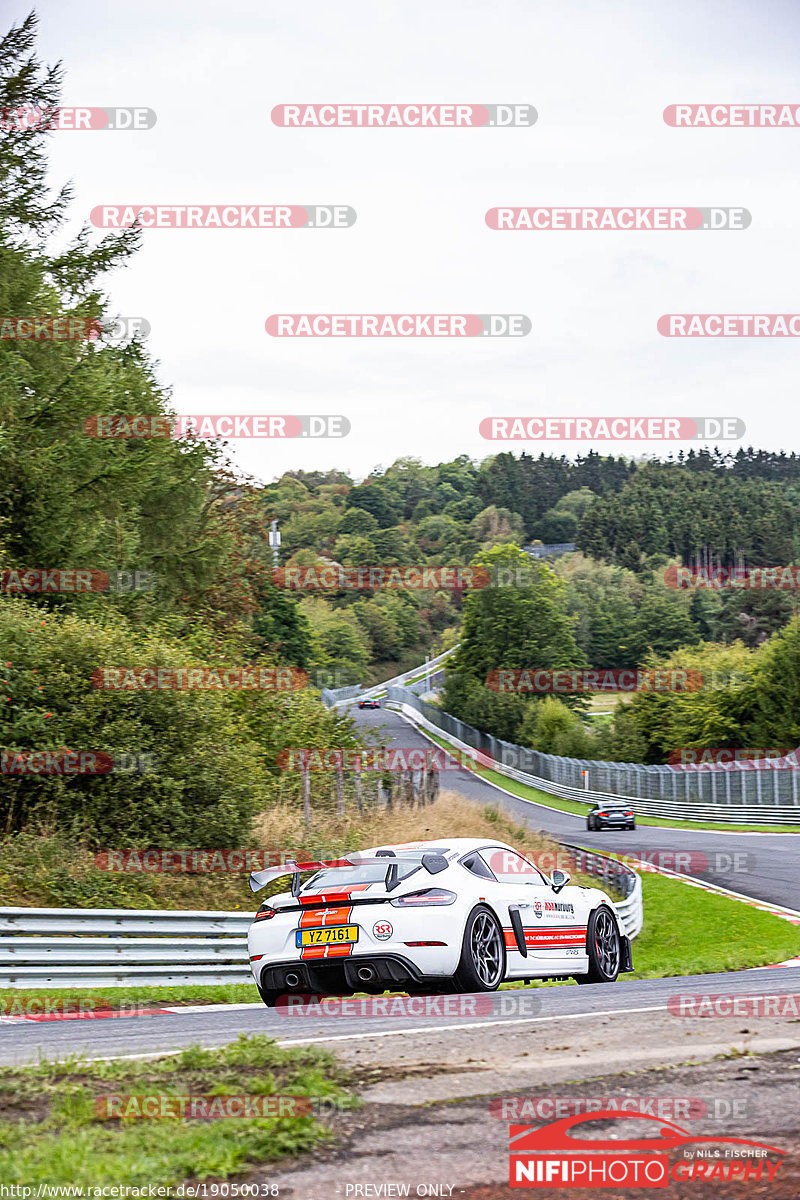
599 76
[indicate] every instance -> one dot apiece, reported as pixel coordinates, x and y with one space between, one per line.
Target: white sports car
458 914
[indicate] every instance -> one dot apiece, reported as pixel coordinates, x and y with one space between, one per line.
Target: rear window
344 877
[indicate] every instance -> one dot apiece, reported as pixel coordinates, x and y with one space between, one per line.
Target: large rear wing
433 863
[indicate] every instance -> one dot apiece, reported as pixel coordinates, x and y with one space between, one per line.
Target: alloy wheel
606 942
487 949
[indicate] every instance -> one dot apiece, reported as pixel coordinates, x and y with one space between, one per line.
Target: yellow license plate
331 936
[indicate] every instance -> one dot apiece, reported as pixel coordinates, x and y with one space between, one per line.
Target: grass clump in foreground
51 1133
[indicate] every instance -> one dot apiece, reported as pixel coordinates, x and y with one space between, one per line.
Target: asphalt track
765 866
771 875
27 1041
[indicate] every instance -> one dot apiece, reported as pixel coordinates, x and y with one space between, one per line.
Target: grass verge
50 1131
688 931
17 1000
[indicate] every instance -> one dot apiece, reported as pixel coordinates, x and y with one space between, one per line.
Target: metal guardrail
721 808
79 947
549 549
334 696
619 875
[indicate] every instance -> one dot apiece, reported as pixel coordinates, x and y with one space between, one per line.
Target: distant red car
369 704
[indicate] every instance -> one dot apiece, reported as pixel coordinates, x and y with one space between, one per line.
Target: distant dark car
369 704
610 816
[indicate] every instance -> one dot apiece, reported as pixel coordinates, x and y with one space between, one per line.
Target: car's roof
462 845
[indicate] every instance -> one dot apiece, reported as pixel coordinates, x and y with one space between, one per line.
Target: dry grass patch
450 816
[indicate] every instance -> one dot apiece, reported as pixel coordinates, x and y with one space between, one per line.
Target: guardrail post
357 784
339 781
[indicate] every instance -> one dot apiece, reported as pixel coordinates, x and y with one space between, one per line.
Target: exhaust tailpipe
292 980
366 974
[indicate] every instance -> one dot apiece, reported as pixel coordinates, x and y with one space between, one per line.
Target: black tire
603 947
482 966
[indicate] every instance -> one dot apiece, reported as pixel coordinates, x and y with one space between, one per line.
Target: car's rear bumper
427 939
341 976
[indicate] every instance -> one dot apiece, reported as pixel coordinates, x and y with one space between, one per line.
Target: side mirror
559 880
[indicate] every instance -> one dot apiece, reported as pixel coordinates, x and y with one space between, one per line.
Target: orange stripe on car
320 918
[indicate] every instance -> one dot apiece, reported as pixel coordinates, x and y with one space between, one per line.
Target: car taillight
627 814
265 913
426 896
